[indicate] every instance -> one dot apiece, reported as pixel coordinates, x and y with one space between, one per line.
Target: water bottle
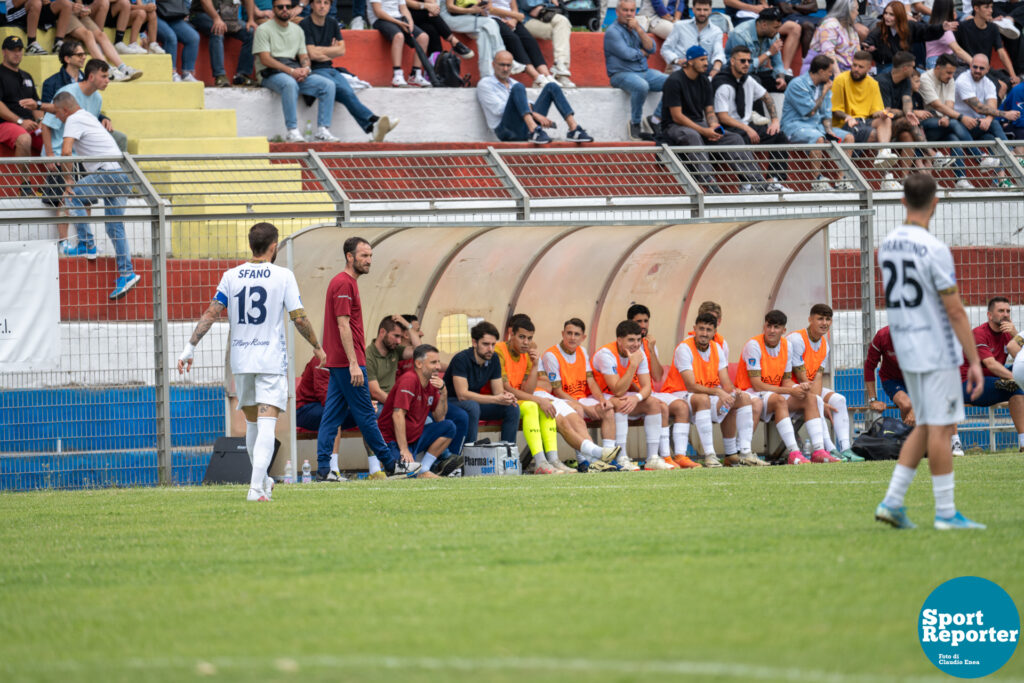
722 410
289 472
807 449
309 129
306 476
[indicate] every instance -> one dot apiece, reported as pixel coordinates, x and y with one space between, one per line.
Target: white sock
955 441
1020 440
262 451
608 443
785 428
681 437
621 430
942 487
814 431
702 420
373 463
840 420
334 462
251 429
745 427
553 458
826 437
427 462
729 445
664 449
652 431
898 485
591 449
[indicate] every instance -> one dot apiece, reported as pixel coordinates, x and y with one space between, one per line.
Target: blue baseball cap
695 52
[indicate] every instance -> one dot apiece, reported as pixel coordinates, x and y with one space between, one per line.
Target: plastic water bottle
309 129
807 449
306 476
289 472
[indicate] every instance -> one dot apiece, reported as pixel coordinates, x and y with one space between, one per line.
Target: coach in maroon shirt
881 350
992 339
345 344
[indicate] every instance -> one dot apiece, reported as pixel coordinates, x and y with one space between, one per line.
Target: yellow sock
529 411
548 432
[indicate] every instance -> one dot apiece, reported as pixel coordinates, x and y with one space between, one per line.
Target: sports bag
882 440
447 71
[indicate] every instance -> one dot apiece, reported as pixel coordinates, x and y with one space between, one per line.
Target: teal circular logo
969 627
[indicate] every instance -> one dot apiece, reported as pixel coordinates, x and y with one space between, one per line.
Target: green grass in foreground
729 575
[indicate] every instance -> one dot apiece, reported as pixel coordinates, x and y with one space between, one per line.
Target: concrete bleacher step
169 123
154 68
225 145
144 94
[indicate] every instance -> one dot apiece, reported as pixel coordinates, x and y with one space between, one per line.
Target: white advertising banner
29 307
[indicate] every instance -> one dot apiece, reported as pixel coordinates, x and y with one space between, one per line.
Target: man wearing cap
690 121
20 109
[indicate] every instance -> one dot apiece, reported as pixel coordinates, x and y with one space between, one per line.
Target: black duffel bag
882 440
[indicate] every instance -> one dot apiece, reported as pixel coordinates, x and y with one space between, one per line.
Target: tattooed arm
305 328
207 320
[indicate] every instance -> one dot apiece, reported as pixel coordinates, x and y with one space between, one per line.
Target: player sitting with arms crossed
621 370
812 346
570 379
765 373
700 371
256 295
403 419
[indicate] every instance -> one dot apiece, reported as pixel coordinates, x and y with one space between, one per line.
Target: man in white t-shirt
930 333
976 98
255 295
622 372
85 136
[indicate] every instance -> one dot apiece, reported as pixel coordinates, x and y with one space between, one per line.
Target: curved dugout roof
453 275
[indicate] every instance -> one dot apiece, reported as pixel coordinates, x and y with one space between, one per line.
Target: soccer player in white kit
256 295
931 334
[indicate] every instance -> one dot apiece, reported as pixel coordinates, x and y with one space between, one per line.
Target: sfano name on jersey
251 273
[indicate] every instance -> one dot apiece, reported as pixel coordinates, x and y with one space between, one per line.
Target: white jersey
684 357
751 356
606 363
550 363
916 269
797 350
256 296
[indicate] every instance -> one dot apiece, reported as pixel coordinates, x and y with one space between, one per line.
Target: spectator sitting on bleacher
219 19
773 43
393 21
82 27
28 14
139 13
72 56
807 116
943 11
992 339
976 99
544 22
836 37
20 107
85 137
426 14
511 116
1014 101
898 96
72 59
658 16
696 31
324 43
471 18
403 419
735 95
626 48
897 33
470 373
979 36
938 92
172 28
857 107
310 396
519 42
281 48
384 354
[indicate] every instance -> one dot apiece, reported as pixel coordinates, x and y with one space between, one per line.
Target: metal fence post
503 169
342 200
684 177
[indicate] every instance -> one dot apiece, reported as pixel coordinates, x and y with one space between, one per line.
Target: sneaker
577 134
407 468
1007 27
890 184
118 76
420 81
609 454
560 69
988 162
1003 384
797 458
358 24
650 124
564 81
712 461
624 464
256 496
885 157
80 249
323 134
752 460
896 518
657 463
136 49
221 82
849 456
964 184
123 284
1005 182
517 68
776 187
293 135
335 475
398 80
243 81
634 131
845 186
541 81
746 188
462 51
957 521
121 48
539 137
268 487
731 460
379 475
134 74
155 49
594 466
543 467
822 456
34 48
189 77
821 185
449 467
562 467
956 447
683 462
175 77
382 126
943 161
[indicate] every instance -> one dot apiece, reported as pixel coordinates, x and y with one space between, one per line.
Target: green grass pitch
757 574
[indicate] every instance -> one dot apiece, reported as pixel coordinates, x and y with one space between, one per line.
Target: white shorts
254 389
1018 369
634 394
764 396
562 407
588 401
668 398
937 396
715 417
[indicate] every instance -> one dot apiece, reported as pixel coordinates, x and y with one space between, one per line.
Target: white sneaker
564 81
420 81
777 187
845 186
746 188
543 467
821 185
136 49
890 184
1007 27
358 24
989 162
323 134
175 77
382 126
122 48
294 135
398 80
120 76
517 68
657 463
189 78
964 184
129 73
560 70
268 487
885 157
561 466
625 464
956 447
34 48
155 49
257 496
943 161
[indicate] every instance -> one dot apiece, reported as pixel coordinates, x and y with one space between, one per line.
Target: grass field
731 575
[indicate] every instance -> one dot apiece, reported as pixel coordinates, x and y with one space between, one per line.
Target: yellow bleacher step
226 238
143 94
44 38
172 123
154 68
225 145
